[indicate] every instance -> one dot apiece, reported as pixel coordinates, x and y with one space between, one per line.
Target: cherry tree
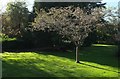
70 22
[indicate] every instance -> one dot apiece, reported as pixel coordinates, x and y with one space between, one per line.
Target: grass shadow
104 55
18 69
97 67
100 54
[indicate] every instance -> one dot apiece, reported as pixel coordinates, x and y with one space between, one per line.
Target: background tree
83 5
112 26
115 22
72 23
15 19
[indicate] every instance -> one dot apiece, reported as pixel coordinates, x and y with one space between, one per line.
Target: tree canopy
70 22
15 19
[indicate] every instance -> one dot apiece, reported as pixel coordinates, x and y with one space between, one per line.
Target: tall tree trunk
77 60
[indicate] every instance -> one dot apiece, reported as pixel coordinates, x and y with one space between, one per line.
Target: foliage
70 22
15 19
37 39
112 25
4 37
86 6
91 39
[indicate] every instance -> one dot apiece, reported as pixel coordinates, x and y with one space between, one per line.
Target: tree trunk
77 60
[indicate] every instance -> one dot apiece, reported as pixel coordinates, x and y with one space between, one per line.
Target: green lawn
96 61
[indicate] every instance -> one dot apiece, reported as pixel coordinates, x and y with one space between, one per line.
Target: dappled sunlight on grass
7 39
45 64
104 45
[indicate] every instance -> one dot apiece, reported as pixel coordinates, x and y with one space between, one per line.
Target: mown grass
96 61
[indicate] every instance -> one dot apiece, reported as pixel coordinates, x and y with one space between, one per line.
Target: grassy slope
96 61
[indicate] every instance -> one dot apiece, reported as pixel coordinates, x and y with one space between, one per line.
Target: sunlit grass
102 45
95 62
8 39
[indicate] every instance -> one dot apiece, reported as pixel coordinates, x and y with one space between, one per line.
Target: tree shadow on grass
16 69
102 55
98 67
27 68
